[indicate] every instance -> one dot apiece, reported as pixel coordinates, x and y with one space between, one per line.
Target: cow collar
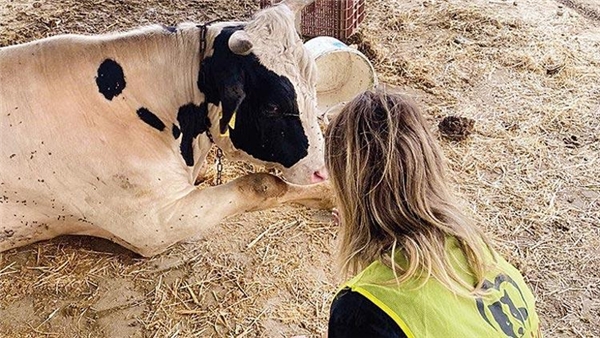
203 29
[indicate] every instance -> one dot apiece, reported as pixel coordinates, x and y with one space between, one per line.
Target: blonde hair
388 174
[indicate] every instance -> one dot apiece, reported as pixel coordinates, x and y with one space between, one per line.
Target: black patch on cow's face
176 131
110 79
152 120
170 29
193 121
268 125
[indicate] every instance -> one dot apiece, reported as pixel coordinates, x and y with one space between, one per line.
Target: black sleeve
353 315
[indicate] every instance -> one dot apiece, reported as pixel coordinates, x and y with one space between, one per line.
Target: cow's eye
272 110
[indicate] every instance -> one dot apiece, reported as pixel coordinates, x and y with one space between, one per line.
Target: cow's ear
232 95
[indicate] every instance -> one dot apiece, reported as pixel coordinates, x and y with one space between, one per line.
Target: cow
104 135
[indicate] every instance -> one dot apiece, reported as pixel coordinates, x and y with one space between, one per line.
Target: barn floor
528 74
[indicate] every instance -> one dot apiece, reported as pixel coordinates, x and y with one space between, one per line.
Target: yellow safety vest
431 310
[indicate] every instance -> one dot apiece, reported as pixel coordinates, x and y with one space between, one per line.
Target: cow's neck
164 66
161 67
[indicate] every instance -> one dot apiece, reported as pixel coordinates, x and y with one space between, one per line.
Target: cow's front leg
263 191
202 209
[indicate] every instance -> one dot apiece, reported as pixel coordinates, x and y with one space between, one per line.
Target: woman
421 267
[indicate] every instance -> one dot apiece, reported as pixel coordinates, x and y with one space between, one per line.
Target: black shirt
353 315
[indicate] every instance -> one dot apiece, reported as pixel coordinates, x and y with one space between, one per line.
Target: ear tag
231 125
232 121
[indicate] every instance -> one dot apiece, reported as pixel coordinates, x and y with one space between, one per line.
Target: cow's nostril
320 176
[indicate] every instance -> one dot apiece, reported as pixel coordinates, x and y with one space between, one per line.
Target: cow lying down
105 135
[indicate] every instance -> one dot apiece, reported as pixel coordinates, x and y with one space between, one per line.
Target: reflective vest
431 310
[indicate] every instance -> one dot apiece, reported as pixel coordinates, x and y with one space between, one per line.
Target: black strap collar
203 29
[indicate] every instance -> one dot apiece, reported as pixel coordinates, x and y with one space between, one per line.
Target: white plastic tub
343 72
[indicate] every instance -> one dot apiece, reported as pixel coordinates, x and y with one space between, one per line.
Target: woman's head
388 174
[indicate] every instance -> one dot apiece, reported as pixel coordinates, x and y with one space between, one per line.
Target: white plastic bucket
343 72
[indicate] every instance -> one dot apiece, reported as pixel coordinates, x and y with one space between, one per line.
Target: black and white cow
105 135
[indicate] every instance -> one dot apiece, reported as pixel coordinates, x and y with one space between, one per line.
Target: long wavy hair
387 171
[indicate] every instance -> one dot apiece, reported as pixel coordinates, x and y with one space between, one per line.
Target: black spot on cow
193 121
170 29
152 120
110 79
268 125
176 131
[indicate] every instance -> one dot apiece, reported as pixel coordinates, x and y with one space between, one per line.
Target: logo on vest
504 306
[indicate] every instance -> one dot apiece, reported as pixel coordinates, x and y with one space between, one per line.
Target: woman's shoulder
353 315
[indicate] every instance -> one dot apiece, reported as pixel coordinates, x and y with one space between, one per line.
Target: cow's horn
239 43
297 5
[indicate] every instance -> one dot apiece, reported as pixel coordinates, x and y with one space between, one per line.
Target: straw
529 171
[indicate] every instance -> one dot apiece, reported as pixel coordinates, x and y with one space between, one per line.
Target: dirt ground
527 72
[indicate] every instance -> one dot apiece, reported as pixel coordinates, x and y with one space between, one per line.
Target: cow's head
263 79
